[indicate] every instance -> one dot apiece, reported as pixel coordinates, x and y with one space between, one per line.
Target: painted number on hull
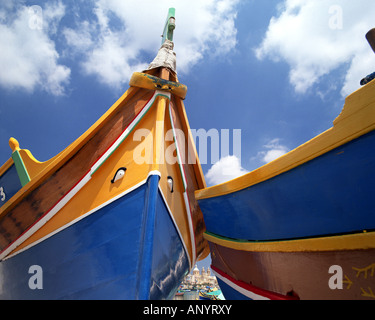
2 194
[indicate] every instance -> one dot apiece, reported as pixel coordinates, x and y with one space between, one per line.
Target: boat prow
302 226
111 216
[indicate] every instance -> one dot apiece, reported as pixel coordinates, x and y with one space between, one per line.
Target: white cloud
225 169
273 154
123 30
273 150
52 14
317 36
79 40
28 56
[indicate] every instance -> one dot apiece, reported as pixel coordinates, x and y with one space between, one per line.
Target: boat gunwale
6 166
60 159
355 120
83 180
354 241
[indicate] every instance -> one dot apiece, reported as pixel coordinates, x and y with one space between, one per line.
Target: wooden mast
167 36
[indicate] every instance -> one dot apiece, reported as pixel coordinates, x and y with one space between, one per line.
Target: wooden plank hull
306 275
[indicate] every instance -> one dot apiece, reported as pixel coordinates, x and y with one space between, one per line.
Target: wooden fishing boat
214 294
113 216
302 226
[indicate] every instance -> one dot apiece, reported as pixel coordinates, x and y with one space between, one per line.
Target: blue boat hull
129 249
314 199
279 239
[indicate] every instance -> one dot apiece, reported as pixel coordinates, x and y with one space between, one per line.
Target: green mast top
166 57
169 26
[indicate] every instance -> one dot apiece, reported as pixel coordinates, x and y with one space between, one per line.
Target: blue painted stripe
332 194
99 256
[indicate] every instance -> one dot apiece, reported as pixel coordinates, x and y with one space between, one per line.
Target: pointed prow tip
170 25
14 145
370 36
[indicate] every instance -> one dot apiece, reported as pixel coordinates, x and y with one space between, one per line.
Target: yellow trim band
359 241
4 168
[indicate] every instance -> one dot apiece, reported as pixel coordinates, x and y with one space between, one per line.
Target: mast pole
170 25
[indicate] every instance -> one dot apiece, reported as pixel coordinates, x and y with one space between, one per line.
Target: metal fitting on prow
172 23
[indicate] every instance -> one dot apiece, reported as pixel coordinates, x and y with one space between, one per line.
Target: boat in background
212 294
111 216
302 226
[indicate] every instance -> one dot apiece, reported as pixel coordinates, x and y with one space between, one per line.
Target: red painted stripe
261 292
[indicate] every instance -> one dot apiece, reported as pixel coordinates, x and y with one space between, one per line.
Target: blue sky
278 70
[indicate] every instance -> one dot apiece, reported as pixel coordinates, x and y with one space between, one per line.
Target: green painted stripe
21 169
228 239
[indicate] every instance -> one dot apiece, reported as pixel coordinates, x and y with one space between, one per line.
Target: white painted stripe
154 173
241 290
